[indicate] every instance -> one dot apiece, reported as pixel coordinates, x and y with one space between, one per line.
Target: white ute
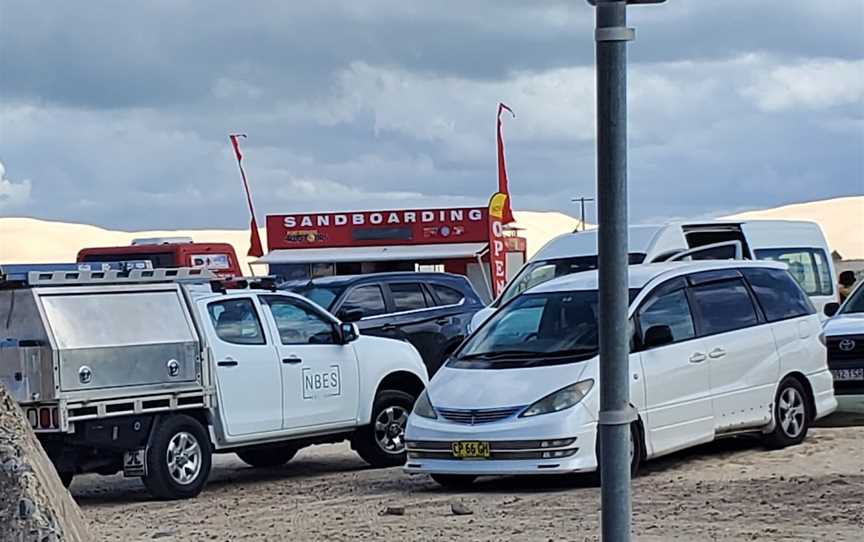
150 372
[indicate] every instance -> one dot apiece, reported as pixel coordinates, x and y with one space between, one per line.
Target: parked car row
724 347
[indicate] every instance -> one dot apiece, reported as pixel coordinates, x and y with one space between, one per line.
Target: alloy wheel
184 458
791 412
390 429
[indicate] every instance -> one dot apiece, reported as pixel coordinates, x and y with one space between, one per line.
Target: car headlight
560 400
423 407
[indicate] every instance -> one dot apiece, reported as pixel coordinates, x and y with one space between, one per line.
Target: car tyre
179 458
454 481
791 416
637 455
382 442
262 458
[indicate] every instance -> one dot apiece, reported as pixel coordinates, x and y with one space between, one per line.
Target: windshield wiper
501 354
573 352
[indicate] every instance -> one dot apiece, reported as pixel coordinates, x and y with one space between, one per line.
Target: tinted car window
322 295
668 309
447 295
535 330
855 303
299 324
778 294
724 306
408 296
807 266
538 272
368 299
236 321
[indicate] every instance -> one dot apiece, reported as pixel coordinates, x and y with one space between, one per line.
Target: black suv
429 310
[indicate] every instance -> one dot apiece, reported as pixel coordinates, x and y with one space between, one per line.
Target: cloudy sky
116 113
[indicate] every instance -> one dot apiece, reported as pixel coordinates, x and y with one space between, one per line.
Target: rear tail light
45 418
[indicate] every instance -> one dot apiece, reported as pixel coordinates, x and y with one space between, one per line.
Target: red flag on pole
502 169
255 247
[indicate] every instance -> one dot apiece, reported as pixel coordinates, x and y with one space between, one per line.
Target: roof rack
222 285
76 278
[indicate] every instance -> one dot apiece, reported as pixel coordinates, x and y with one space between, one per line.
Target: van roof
642 236
640 275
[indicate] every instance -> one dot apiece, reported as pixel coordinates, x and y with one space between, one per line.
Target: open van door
728 250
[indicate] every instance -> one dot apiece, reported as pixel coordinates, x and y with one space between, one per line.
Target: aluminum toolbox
80 341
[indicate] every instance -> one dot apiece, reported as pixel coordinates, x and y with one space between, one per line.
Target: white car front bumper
518 446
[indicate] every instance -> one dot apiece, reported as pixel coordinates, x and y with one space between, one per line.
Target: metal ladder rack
138 276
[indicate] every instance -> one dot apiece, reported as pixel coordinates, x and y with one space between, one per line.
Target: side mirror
658 336
350 315
830 309
348 332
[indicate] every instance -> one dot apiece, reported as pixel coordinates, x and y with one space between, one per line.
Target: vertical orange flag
255 247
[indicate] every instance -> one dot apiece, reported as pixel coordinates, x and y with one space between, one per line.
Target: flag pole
256 249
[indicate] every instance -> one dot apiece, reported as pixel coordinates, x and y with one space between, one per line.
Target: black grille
475 417
846 348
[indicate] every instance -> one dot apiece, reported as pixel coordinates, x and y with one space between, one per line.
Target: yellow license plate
470 449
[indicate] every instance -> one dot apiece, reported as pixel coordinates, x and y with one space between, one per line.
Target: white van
799 244
719 348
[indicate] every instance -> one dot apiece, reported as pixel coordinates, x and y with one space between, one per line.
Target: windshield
322 295
536 329
538 272
855 303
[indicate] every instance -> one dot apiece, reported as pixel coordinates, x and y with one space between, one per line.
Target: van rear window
808 266
158 259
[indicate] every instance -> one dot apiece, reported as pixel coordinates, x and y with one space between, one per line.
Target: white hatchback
719 348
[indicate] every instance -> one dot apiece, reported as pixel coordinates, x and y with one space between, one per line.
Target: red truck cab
165 252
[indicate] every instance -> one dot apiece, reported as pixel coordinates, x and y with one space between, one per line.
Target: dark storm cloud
116 113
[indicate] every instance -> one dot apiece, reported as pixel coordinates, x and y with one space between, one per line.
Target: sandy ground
730 490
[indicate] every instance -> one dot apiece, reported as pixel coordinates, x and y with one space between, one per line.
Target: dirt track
732 490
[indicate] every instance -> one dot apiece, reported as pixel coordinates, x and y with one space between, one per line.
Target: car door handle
698 357
388 327
227 363
442 321
292 360
717 353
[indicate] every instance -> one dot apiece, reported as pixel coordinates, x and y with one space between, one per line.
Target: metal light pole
616 414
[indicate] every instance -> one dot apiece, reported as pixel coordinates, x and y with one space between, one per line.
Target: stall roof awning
374 254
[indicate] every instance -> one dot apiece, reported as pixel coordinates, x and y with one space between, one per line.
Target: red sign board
377 228
497 249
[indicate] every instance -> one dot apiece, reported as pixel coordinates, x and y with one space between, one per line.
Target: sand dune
40 241
842 220
32 240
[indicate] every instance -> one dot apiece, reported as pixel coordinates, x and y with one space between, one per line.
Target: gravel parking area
730 490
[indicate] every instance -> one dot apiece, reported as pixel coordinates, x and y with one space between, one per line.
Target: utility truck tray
81 336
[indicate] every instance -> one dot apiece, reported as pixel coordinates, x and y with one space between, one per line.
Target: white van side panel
571 245
665 240
783 234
